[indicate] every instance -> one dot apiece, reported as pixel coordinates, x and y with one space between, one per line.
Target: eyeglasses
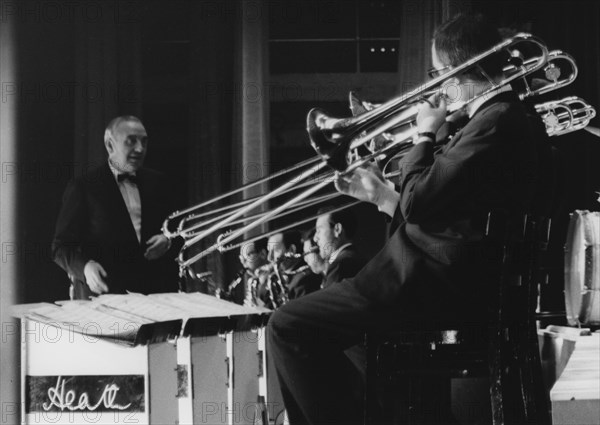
436 72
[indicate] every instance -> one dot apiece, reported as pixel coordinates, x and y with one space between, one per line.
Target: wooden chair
409 370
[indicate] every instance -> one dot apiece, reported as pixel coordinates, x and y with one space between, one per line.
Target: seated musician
309 278
431 267
312 256
289 277
334 231
104 239
253 256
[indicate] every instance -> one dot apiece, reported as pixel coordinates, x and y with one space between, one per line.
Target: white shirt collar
476 104
116 172
335 253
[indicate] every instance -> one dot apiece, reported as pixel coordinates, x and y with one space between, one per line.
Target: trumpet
336 141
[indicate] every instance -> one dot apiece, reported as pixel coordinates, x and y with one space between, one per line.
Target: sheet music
120 316
85 319
201 305
192 308
22 310
140 305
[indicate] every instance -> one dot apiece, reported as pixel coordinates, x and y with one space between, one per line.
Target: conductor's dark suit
94 224
428 270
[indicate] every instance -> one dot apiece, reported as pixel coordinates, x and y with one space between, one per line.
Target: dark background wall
174 64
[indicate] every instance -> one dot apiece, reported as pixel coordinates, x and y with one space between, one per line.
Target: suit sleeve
431 185
68 236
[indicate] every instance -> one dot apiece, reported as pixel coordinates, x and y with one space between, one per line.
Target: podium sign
121 359
68 378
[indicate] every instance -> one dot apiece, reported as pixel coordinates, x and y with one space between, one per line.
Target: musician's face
451 88
435 59
275 247
127 146
325 236
250 257
312 258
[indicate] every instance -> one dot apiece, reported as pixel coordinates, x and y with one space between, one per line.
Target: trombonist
430 270
311 277
334 231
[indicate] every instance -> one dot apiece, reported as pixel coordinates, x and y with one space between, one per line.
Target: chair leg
496 388
371 404
535 396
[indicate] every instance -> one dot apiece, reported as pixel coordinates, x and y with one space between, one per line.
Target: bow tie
131 177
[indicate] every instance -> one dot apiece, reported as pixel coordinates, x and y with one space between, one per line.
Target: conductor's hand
156 247
368 185
94 277
432 114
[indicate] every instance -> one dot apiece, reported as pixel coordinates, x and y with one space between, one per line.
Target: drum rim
582 268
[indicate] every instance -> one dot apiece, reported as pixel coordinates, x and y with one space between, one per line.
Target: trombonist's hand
368 184
432 114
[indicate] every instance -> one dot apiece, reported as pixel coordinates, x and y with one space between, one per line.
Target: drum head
582 269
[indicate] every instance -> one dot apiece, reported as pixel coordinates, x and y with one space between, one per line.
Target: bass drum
582 269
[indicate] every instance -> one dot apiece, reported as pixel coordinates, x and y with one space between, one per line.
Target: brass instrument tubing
272 194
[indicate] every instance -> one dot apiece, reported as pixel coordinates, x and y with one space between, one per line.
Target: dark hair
292 237
464 37
345 217
309 235
260 244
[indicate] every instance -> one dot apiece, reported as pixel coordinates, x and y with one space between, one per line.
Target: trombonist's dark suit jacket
94 224
431 266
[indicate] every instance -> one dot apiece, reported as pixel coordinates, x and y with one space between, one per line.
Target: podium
156 359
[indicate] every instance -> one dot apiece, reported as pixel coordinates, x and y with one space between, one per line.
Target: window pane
308 57
379 56
379 18
301 19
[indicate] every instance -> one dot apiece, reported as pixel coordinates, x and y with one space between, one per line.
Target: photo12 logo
128 11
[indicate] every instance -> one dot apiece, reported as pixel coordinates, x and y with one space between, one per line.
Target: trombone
565 115
334 138
559 63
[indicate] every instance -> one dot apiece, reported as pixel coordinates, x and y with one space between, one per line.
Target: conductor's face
127 146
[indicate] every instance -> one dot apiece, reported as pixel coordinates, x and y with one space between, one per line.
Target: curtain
108 78
10 271
420 18
229 110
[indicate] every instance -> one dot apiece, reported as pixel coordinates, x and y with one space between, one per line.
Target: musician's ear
293 248
337 229
108 141
108 145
